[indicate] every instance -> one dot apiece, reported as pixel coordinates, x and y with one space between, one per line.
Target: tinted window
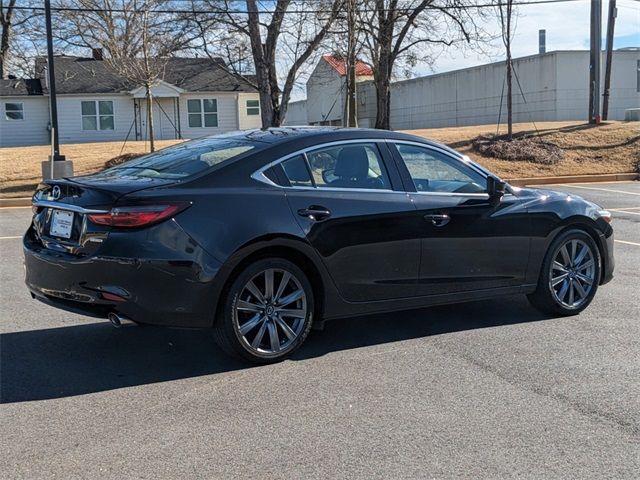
184 159
297 172
348 166
432 171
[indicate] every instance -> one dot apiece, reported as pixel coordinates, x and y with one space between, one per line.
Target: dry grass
612 147
20 169
609 148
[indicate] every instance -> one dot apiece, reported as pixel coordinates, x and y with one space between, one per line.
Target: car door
342 196
467 244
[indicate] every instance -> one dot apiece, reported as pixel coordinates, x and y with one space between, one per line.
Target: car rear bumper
172 287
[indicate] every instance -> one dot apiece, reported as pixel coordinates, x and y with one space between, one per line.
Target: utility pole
594 63
350 113
611 24
57 166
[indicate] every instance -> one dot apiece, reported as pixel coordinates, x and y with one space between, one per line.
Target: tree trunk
382 82
147 88
6 39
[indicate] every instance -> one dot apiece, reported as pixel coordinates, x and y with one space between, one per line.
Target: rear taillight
136 216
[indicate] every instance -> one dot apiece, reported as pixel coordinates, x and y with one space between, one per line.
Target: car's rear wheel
267 312
569 276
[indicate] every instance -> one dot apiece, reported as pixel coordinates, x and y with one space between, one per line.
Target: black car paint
174 273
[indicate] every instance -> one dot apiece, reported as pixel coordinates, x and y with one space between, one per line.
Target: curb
605 177
516 182
15 202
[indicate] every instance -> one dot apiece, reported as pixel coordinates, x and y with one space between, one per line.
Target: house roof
339 64
77 75
20 87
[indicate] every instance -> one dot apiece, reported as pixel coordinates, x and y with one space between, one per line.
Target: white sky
567 26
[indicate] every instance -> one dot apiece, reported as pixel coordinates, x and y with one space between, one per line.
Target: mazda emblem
55 193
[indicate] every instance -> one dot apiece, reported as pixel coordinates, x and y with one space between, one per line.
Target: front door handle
315 213
438 220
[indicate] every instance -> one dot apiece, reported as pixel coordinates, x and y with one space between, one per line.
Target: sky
567 26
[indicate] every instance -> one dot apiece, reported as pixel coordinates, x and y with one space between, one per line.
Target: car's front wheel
569 276
267 311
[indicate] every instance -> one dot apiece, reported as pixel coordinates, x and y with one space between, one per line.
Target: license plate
61 224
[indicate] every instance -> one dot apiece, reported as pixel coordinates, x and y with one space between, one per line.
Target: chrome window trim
261 177
66 206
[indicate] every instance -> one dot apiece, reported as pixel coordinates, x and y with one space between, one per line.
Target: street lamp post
57 166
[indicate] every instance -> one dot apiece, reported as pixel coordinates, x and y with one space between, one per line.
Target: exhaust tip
115 320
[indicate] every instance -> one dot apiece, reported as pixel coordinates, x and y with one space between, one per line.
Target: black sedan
262 235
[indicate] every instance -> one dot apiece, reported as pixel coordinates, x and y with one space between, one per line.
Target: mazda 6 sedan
261 235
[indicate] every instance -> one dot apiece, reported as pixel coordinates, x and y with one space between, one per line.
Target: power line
298 11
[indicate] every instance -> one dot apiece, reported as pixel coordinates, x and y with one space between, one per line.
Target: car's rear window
183 160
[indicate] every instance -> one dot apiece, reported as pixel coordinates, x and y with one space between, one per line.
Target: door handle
438 220
315 213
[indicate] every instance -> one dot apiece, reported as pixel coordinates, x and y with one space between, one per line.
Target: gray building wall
325 95
555 87
297 114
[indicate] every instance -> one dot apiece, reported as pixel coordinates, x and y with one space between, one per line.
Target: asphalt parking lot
488 389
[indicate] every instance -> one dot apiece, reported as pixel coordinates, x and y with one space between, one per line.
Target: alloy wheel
270 312
572 273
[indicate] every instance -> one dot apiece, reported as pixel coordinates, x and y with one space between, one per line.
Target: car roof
293 134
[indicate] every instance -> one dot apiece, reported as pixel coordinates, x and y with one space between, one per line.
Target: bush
125 157
529 149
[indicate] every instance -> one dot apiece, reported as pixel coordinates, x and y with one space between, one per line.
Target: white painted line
601 189
11 238
628 243
624 211
7 208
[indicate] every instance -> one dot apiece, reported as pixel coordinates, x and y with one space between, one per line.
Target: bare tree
505 10
395 31
11 20
144 70
117 24
282 38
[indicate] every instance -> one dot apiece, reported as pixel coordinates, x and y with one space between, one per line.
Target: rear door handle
438 220
315 213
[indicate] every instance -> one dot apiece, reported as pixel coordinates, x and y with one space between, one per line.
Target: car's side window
351 165
432 171
296 170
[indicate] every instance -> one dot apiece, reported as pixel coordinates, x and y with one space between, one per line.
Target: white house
197 97
554 86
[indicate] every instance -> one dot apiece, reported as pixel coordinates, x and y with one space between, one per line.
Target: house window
14 111
98 115
253 107
203 112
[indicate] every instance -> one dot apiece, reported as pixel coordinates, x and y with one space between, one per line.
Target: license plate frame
61 224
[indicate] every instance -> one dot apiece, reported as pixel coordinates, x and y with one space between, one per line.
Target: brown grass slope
612 147
609 148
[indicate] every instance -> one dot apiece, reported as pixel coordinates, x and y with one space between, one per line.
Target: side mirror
496 189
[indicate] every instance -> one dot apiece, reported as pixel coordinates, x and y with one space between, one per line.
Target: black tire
546 298
231 315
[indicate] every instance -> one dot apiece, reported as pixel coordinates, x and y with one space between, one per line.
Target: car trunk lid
61 207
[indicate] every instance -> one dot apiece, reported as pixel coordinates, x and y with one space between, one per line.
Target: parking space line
11 238
627 243
624 211
601 189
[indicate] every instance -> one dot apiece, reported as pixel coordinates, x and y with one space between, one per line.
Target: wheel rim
270 312
572 275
